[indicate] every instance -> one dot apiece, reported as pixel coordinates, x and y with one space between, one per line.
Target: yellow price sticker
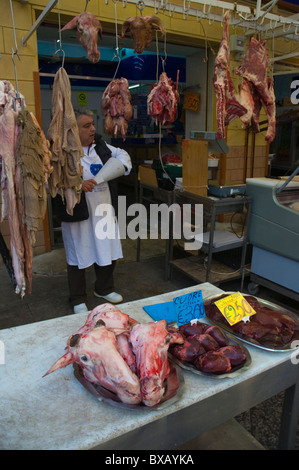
191 101
234 308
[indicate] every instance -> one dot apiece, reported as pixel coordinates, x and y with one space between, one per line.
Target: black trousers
104 283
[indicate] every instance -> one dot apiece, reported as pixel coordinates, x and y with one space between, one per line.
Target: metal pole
41 17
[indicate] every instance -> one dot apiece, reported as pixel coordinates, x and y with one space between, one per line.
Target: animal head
141 28
89 30
97 353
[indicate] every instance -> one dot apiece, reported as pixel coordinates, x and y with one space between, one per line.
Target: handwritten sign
235 308
189 307
191 101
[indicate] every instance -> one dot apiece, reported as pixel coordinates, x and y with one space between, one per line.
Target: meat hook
59 31
171 9
140 5
186 9
87 1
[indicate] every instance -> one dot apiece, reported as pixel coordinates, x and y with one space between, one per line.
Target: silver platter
288 347
102 394
235 371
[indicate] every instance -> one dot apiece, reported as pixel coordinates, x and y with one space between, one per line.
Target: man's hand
87 185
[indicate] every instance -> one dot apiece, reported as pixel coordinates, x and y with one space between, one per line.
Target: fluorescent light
134 86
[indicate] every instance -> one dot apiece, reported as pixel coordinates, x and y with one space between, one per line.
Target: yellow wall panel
27 90
1 39
9 42
21 14
24 67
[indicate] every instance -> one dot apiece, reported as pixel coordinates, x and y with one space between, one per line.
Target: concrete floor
257 428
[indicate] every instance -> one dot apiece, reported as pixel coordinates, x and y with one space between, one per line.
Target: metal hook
285 30
198 16
87 1
140 5
186 9
171 9
206 12
63 55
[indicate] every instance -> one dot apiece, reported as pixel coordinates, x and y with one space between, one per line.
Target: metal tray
102 394
250 341
234 371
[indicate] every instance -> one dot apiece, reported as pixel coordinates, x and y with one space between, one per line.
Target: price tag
234 308
189 307
191 101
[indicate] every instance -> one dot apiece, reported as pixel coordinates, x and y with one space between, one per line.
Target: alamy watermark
2 353
295 93
295 353
160 220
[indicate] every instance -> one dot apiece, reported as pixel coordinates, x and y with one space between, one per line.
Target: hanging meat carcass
116 107
7 152
25 166
32 172
254 70
89 30
163 100
141 29
228 107
66 148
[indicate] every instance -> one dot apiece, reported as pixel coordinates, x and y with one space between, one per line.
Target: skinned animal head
89 30
96 352
141 28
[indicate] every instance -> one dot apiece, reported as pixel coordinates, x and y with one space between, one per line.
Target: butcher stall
274 234
59 410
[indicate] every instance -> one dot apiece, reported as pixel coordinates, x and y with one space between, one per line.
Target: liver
56 412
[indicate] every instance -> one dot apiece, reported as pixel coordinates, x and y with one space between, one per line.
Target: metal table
56 412
212 207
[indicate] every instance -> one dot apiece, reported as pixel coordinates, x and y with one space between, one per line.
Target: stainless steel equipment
274 234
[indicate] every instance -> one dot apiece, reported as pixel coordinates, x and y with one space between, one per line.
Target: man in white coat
83 245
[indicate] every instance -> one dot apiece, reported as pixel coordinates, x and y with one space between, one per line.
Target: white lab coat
83 248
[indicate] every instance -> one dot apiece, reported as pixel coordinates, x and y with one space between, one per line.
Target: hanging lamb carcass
116 107
163 100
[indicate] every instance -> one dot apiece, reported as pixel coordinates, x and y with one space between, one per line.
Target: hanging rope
15 52
59 32
116 55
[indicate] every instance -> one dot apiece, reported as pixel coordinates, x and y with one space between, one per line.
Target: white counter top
56 412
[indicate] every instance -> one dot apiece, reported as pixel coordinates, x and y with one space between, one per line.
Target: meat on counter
207 348
127 358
